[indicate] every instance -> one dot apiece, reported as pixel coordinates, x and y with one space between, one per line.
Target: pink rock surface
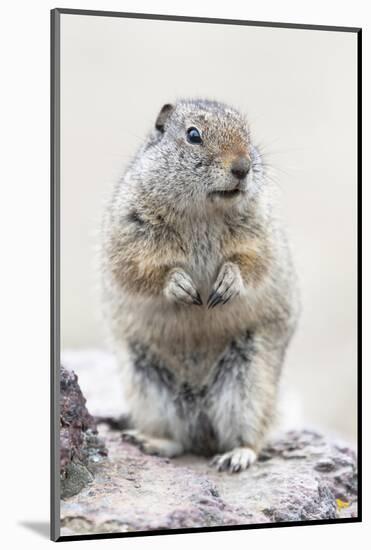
300 477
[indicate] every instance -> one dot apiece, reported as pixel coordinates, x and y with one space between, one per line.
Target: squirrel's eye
193 135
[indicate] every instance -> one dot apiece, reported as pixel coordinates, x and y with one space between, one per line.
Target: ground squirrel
199 288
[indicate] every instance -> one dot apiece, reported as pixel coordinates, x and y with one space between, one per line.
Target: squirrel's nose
240 167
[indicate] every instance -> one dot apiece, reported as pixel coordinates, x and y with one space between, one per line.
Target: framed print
205 189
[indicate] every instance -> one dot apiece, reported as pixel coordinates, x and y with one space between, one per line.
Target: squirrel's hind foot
153 445
234 461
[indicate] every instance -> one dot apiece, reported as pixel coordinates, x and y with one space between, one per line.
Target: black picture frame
55 265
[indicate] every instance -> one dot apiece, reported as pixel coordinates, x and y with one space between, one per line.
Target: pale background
25 303
298 88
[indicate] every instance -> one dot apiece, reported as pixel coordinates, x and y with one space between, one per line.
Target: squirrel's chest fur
185 336
205 255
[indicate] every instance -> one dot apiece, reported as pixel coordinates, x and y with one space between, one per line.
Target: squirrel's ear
163 116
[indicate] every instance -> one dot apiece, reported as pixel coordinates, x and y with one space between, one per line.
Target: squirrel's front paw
180 288
227 286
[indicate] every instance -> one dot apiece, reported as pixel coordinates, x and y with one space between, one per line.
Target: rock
133 491
301 475
80 447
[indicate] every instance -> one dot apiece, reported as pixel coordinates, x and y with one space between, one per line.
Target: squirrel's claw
228 285
180 288
198 301
214 299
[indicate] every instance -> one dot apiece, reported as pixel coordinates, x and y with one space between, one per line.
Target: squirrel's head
199 153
